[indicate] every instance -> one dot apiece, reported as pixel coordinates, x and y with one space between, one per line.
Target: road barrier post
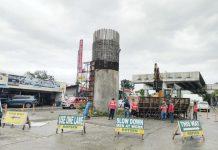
52 108
6 108
207 115
22 109
33 109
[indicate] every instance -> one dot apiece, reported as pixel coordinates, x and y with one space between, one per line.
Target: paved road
100 135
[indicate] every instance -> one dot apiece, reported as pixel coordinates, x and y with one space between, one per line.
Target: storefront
46 91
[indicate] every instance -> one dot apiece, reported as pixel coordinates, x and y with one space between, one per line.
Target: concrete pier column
105 55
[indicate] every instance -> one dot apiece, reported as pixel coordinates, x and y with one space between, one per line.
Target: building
72 90
46 91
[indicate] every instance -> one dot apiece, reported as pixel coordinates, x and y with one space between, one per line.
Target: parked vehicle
203 106
74 102
20 100
4 101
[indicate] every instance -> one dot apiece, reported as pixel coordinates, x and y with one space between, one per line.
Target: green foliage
207 97
127 84
79 111
97 113
215 93
141 92
120 112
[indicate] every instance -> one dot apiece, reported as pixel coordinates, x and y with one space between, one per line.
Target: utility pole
79 65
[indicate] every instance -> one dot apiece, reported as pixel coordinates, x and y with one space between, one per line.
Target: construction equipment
149 107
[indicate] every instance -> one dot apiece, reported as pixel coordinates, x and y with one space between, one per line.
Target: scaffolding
91 82
86 85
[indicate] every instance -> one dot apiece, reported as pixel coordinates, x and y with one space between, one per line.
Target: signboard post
16 118
130 125
189 128
70 122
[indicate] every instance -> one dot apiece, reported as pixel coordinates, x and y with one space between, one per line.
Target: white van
203 106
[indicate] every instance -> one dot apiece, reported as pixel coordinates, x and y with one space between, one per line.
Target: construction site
98 80
98 83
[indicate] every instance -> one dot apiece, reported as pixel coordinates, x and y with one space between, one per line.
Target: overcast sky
180 35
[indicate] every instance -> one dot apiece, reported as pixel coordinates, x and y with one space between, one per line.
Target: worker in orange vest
163 109
195 111
171 111
112 107
134 108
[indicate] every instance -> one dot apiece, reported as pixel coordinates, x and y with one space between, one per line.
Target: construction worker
171 111
134 108
163 109
86 110
126 108
112 107
195 110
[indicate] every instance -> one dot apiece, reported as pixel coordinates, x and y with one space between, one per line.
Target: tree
141 92
40 74
207 97
214 97
127 84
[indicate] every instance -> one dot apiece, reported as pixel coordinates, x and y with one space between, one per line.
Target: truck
74 102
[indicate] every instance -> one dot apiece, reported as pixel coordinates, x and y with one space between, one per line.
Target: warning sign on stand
69 122
130 125
189 128
16 118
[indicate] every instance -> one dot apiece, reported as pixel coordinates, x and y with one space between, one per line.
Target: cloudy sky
180 35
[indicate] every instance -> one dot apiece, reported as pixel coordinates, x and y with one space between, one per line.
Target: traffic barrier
207 115
22 109
33 110
71 123
189 128
16 118
129 125
6 108
52 108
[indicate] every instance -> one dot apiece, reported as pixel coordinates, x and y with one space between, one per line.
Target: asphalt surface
101 136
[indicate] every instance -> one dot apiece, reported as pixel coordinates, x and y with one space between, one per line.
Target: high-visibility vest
134 106
195 108
171 108
163 108
112 104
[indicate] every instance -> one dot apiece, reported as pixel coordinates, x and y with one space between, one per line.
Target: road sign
16 118
130 125
189 128
70 122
